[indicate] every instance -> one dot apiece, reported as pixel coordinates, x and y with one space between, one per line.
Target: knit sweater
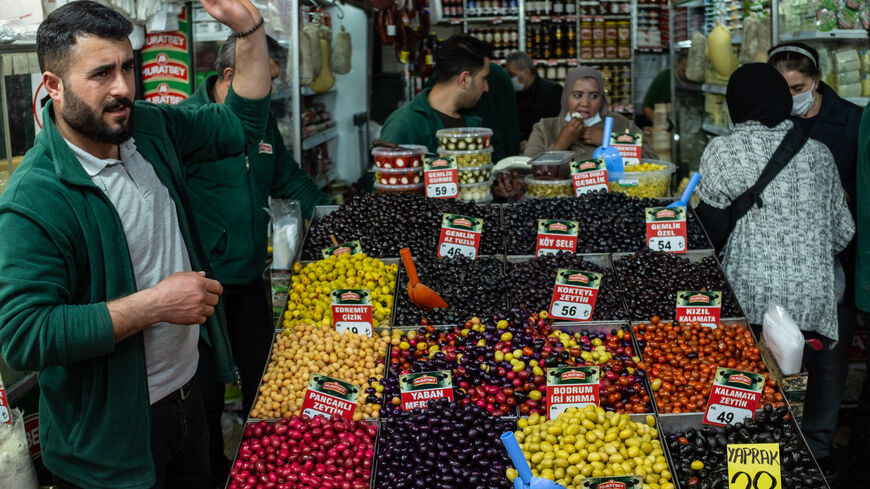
784 250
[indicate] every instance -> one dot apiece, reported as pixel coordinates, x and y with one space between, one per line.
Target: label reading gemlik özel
329 397
352 247
702 307
630 146
352 311
614 482
460 235
569 387
734 396
666 229
420 388
555 236
441 177
588 176
574 294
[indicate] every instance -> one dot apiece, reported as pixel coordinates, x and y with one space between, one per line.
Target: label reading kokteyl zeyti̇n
666 229
589 176
351 247
441 177
329 397
569 387
574 294
420 388
555 236
694 306
460 235
352 311
734 396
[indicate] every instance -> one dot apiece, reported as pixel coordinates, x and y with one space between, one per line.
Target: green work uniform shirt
417 122
862 200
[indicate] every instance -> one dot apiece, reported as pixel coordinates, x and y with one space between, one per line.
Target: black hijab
757 92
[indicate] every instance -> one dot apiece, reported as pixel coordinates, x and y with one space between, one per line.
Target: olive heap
700 455
530 284
388 222
470 288
649 282
609 223
446 446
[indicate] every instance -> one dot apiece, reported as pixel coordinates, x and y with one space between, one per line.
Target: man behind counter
536 98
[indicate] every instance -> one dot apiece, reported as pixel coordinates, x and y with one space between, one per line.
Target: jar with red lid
405 156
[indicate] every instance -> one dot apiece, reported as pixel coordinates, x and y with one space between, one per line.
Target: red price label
734 397
442 184
352 311
460 235
5 412
702 307
589 176
329 397
666 229
574 295
555 236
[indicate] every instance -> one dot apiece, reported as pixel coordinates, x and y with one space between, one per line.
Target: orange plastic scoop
422 296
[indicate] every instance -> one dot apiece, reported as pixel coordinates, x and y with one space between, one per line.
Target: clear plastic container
463 159
398 176
548 187
416 188
552 164
464 138
643 183
476 192
407 156
474 174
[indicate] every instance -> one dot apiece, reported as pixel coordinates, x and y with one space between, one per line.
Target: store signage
352 311
734 397
31 433
569 387
329 397
574 294
555 236
699 307
441 177
351 247
615 482
588 176
754 466
166 64
666 229
629 145
420 388
460 235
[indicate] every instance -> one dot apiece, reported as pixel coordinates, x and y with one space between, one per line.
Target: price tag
588 176
754 466
702 307
630 146
441 177
553 62
555 236
329 397
352 311
497 20
460 235
569 387
420 388
534 19
455 21
571 18
615 482
734 397
556 18
352 247
666 229
573 61
574 294
5 412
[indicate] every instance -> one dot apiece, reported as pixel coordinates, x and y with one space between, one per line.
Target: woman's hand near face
593 136
572 131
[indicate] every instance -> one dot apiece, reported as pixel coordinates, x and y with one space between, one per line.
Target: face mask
518 87
595 119
803 101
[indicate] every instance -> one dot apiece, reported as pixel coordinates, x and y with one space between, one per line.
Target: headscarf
576 74
757 92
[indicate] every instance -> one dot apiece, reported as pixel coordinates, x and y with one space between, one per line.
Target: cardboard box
794 387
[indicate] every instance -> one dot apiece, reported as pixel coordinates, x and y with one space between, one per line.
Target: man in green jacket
498 111
102 282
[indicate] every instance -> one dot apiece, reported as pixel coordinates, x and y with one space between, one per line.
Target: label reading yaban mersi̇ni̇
754 465
329 397
702 307
460 235
629 145
614 482
734 396
441 177
352 311
569 387
351 247
555 236
574 294
588 176
420 388
666 229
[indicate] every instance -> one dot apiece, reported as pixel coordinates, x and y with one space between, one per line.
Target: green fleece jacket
64 255
862 219
497 108
417 122
230 199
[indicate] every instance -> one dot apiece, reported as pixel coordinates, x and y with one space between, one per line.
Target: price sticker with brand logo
5 412
734 397
329 397
629 145
441 177
555 236
352 311
754 466
351 247
614 482
420 388
588 176
460 235
574 294
569 387
666 229
702 307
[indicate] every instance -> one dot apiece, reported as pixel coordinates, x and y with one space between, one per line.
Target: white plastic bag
784 338
286 232
16 469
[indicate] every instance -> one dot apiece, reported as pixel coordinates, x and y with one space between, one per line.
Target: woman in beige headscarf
583 95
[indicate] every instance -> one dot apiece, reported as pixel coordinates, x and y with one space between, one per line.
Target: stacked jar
551 176
470 148
399 170
598 28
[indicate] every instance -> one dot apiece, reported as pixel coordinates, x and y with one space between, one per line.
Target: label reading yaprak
352 247
666 229
569 387
574 294
441 177
460 235
588 176
352 311
420 388
629 145
555 236
614 482
702 307
754 465
734 397
329 397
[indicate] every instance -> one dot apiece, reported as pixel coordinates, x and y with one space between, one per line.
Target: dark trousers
859 443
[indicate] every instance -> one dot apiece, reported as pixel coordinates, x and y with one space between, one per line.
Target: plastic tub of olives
478 192
652 178
468 158
464 138
474 174
537 187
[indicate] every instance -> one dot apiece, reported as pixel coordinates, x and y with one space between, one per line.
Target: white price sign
442 190
720 414
452 249
670 243
360 328
572 310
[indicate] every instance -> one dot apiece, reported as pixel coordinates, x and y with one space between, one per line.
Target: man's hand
238 15
593 136
186 297
509 187
572 131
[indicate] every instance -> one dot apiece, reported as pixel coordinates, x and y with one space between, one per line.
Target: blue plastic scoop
611 156
525 479
687 193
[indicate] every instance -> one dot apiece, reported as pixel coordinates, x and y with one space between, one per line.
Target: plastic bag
784 338
286 232
16 469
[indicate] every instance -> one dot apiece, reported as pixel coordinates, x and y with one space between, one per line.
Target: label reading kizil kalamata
569 387
629 145
588 176
420 388
352 247
734 397
460 235
441 177
574 294
702 307
756 465
666 229
329 397
555 236
352 311
613 482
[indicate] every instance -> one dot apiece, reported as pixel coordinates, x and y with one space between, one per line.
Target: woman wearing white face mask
580 125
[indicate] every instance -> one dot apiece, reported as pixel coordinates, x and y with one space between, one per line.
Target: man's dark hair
459 53
784 60
226 57
522 61
58 33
